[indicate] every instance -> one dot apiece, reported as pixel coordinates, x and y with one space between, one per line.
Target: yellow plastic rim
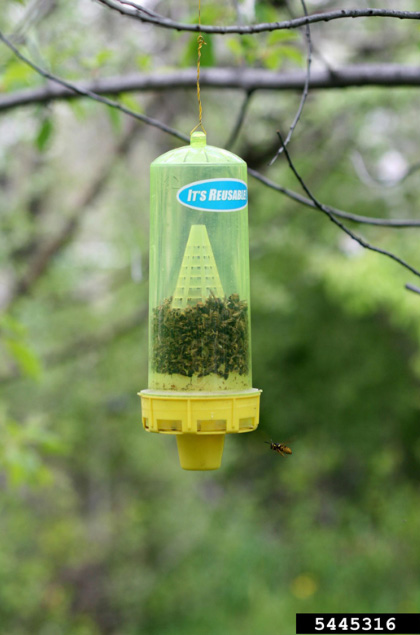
198 413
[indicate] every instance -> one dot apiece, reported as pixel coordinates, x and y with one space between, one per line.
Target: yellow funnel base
200 421
200 452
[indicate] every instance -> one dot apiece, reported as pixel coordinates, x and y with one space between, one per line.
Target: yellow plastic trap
200 381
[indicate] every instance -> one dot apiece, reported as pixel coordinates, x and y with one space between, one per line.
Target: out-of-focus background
101 532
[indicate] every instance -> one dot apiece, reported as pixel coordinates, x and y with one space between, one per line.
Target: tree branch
247 80
354 218
305 91
311 203
322 208
413 288
239 121
136 11
92 95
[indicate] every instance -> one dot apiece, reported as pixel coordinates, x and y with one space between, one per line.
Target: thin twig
305 87
361 241
34 13
315 50
148 12
239 120
138 12
412 287
91 94
354 218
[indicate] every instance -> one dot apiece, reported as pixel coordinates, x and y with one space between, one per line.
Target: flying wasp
280 448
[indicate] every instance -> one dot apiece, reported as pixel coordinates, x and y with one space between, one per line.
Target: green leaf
79 108
272 59
25 358
293 54
129 101
249 43
211 13
44 134
10 326
102 57
281 36
16 74
235 46
143 61
250 48
263 13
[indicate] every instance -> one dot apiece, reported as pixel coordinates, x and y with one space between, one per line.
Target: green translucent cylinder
200 338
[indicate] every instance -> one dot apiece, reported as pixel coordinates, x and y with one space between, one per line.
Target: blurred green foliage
101 531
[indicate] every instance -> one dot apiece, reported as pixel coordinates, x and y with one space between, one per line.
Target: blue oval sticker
214 195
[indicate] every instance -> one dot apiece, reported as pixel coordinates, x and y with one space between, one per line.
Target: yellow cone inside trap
200 452
198 275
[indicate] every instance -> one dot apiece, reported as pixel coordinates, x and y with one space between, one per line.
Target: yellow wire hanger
200 41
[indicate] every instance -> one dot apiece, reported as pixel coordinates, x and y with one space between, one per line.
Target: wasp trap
200 381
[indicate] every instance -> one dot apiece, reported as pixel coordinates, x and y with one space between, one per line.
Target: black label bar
358 623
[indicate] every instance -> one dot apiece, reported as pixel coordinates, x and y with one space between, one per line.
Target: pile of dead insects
209 337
